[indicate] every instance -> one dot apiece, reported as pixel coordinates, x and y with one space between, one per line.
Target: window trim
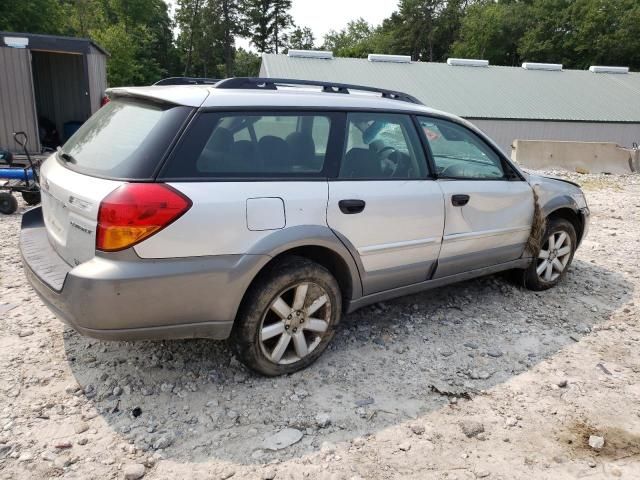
511 174
331 161
419 147
431 166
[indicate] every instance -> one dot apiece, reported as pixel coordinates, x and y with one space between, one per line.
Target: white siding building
532 102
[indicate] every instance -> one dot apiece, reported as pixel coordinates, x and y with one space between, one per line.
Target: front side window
252 145
382 146
460 153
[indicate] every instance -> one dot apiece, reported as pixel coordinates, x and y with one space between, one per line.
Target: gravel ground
478 380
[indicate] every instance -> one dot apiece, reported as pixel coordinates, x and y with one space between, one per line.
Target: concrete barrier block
582 157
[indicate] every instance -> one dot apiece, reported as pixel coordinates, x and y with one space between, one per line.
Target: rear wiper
65 156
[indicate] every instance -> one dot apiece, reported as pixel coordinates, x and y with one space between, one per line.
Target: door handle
459 200
351 206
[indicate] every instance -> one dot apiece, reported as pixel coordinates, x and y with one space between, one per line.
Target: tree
247 64
123 67
163 48
282 21
352 41
448 24
33 16
548 34
188 20
580 33
493 31
423 29
418 27
84 16
267 23
230 26
259 25
301 39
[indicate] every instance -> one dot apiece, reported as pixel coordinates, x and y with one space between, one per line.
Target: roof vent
556 67
323 54
467 62
596 69
16 42
378 57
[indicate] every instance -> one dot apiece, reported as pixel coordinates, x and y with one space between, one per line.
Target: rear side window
125 139
382 146
253 145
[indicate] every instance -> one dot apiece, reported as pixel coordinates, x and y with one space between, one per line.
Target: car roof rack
187 81
258 83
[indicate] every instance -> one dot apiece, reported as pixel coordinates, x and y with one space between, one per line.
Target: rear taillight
136 211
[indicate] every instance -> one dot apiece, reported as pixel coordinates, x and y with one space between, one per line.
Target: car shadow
193 401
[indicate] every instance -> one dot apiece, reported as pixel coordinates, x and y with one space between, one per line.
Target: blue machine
16 174
18 179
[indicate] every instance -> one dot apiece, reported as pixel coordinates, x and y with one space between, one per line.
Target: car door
488 207
383 205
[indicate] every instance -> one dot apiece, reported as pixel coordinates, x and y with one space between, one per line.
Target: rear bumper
122 297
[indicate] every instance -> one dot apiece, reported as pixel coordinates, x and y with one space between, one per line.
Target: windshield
125 139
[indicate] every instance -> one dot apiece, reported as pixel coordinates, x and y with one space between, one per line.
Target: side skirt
438 282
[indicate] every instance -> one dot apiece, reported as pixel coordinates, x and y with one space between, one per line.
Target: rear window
125 139
278 144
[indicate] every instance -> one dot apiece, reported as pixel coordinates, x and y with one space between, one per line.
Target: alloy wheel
295 323
554 256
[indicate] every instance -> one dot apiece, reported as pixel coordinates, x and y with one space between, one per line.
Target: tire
31 198
268 310
8 203
538 277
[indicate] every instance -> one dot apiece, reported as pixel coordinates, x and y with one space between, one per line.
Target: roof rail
257 83
187 81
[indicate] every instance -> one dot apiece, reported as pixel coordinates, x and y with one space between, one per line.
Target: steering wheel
385 151
387 165
454 171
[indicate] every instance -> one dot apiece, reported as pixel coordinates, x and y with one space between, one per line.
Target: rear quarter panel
217 223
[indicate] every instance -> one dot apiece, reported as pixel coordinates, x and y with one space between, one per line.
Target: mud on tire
288 317
556 254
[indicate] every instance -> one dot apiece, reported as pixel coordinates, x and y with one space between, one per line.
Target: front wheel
288 317
555 256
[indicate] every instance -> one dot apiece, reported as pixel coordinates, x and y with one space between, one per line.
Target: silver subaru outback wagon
262 210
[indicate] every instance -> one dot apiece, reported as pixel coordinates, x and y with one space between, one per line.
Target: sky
324 15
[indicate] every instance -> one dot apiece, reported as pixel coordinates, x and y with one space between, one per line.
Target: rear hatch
125 141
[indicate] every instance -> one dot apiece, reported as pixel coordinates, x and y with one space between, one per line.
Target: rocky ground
477 380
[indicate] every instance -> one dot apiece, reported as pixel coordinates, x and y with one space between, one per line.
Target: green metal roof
482 92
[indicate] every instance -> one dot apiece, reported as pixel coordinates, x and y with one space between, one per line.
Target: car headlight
581 201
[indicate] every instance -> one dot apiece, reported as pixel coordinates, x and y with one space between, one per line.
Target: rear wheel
32 198
555 256
288 317
8 203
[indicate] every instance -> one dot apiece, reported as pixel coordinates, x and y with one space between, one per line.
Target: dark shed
49 85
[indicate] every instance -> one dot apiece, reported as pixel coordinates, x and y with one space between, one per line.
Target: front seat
360 163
